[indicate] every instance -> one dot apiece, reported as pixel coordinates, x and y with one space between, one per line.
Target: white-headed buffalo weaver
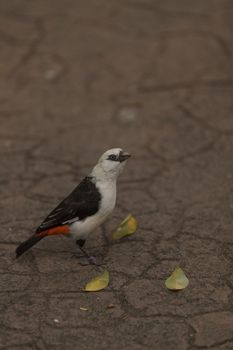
86 207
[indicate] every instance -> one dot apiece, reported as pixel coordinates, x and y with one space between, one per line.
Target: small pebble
83 308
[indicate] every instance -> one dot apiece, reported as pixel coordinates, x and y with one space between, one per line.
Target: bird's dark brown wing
84 201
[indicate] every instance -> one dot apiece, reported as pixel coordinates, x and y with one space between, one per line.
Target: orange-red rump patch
59 230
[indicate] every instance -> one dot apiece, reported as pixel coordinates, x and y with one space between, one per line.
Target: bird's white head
110 164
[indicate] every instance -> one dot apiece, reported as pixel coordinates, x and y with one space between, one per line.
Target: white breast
81 229
108 200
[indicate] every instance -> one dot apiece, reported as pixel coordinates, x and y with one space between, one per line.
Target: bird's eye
112 157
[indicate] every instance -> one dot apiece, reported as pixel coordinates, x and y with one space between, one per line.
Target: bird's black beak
124 156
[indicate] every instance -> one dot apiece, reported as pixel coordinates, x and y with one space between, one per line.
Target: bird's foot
92 261
90 258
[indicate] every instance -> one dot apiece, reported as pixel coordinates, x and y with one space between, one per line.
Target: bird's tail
30 242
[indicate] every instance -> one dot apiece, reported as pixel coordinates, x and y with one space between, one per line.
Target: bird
87 207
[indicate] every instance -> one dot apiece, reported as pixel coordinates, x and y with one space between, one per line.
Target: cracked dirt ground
154 77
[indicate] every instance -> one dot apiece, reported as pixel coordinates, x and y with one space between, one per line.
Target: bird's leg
90 258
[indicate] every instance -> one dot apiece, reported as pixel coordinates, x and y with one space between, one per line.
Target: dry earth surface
155 78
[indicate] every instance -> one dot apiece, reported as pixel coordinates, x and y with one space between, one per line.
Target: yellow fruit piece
126 228
177 280
98 283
